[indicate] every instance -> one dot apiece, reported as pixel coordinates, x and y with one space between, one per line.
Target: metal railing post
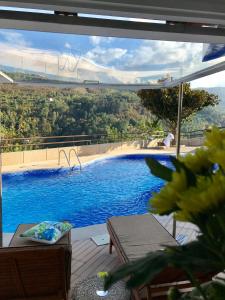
179 118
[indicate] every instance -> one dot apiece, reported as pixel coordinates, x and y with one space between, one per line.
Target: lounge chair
35 272
135 236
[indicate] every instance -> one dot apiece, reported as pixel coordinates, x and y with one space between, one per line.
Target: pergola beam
201 11
110 28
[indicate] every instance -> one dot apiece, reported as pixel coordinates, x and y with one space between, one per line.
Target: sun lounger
135 236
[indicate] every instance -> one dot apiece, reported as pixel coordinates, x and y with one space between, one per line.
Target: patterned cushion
47 232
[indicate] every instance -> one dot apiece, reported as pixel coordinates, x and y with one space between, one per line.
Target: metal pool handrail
76 155
63 151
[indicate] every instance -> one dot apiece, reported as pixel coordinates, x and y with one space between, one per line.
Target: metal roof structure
201 11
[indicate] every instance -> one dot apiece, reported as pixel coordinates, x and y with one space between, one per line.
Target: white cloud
153 53
105 55
215 80
66 66
68 45
149 61
97 40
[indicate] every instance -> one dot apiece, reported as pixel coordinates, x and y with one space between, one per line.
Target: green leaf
191 178
193 255
159 170
174 294
141 271
214 290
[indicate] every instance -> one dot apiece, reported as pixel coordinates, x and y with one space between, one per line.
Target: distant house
5 78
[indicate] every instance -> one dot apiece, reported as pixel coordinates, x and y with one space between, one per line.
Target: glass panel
50 57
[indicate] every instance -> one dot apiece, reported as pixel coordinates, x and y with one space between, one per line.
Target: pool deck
91 158
88 259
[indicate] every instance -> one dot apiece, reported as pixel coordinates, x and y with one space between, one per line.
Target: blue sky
118 58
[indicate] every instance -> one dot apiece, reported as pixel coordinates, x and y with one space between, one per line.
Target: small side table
17 241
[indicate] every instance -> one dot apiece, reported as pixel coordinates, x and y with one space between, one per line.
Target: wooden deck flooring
88 259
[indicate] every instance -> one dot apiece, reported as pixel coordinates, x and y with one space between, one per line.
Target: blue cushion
47 232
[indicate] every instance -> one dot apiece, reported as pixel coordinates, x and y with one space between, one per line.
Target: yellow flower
218 156
197 162
215 141
165 201
102 274
215 138
208 194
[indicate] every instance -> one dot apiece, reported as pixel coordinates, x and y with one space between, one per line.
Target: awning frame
201 11
184 32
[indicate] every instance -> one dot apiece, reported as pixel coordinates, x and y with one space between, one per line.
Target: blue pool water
115 186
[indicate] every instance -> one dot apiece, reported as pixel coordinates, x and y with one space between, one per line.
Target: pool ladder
68 158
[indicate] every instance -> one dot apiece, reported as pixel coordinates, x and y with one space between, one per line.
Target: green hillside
208 116
27 111
220 91
38 111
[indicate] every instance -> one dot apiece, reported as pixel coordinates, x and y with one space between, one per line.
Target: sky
103 59
215 80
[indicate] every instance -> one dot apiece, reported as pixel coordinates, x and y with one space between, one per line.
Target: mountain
220 91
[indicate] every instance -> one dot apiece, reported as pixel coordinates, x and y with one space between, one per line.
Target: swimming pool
109 187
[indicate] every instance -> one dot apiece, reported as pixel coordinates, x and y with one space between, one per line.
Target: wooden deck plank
92 265
88 258
80 246
91 260
84 254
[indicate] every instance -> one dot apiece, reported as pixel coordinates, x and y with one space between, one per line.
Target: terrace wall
35 156
193 142
52 154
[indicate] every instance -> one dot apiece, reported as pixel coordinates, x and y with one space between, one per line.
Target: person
167 141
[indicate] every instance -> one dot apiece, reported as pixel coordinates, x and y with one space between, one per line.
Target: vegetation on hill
27 111
38 111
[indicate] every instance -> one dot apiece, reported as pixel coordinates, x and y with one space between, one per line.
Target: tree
163 103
